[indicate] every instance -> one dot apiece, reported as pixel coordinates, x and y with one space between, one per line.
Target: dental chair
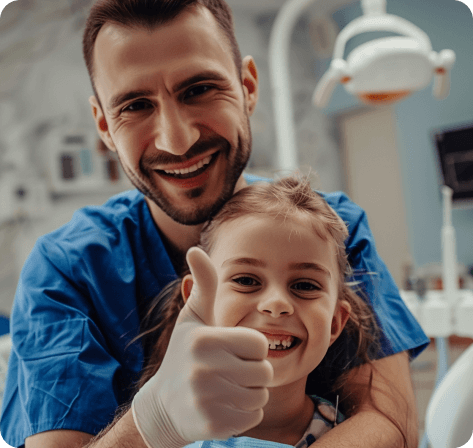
449 419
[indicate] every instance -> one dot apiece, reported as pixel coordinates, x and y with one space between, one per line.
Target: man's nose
276 303
176 131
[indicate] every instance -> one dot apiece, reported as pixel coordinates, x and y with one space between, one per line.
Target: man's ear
101 123
249 79
186 287
339 320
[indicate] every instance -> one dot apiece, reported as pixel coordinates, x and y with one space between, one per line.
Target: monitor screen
455 153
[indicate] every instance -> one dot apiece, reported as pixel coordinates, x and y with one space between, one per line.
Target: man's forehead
130 54
192 18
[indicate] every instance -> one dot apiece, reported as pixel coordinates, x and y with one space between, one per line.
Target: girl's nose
276 304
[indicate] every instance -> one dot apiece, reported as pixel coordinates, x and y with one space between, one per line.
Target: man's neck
178 238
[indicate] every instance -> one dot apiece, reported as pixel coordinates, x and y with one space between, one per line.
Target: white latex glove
212 381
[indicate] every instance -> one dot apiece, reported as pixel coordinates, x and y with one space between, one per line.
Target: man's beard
144 182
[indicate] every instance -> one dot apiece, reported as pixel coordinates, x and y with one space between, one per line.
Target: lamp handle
328 82
445 61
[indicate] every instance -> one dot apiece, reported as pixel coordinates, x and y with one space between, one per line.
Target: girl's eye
137 106
306 286
197 91
246 281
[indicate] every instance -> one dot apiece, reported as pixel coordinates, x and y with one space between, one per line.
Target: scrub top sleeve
61 373
400 330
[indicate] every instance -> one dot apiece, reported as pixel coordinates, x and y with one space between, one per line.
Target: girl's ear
340 318
186 287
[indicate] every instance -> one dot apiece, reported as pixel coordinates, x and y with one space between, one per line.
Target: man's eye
137 106
246 281
197 91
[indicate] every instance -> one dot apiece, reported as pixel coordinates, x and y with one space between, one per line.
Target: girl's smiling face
279 277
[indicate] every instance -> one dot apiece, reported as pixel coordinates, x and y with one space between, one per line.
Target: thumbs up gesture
212 381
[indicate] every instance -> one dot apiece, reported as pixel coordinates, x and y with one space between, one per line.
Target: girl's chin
280 381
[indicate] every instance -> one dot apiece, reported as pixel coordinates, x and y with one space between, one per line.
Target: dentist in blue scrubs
172 97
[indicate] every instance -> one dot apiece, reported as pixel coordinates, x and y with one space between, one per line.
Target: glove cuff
155 434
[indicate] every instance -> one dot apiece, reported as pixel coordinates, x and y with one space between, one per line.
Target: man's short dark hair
149 14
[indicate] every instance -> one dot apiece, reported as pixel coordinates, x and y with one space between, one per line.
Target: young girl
279 254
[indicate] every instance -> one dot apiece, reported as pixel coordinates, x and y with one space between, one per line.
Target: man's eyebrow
208 75
314 266
123 97
245 261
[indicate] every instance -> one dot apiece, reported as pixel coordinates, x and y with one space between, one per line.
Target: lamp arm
279 64
328 82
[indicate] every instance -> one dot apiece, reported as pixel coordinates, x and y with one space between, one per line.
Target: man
173 99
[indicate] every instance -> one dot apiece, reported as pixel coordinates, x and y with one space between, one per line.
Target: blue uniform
78 305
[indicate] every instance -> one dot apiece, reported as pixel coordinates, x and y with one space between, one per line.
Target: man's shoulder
343 205
122 214
252 178
338 200
121 207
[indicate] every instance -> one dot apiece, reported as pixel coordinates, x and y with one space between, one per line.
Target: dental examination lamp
387 69
381 71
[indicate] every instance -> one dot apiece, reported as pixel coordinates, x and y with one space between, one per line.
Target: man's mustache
200 147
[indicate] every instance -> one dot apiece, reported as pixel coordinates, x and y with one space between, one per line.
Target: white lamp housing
387 69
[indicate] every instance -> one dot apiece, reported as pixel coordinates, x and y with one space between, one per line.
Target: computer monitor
455 154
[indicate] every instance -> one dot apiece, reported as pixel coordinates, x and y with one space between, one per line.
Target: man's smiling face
176 111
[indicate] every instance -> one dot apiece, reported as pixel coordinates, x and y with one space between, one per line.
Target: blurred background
385 158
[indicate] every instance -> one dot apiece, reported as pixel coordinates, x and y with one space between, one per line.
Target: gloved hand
212 381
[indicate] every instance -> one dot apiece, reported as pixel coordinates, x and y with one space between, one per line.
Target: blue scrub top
78 305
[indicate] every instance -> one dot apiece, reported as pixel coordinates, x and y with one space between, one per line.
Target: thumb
200 303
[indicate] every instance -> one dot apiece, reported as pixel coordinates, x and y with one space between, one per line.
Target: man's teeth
192 168
278 344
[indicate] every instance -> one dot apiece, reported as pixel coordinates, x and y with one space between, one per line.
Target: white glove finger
200 304
248 373
247 399
241 342
220 390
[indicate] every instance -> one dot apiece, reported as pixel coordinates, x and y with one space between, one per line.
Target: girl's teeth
277 344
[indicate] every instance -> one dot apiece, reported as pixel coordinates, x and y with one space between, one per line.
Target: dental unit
381 71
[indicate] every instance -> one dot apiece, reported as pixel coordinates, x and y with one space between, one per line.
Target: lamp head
385 70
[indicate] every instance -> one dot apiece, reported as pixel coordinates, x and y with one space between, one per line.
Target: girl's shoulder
325 417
